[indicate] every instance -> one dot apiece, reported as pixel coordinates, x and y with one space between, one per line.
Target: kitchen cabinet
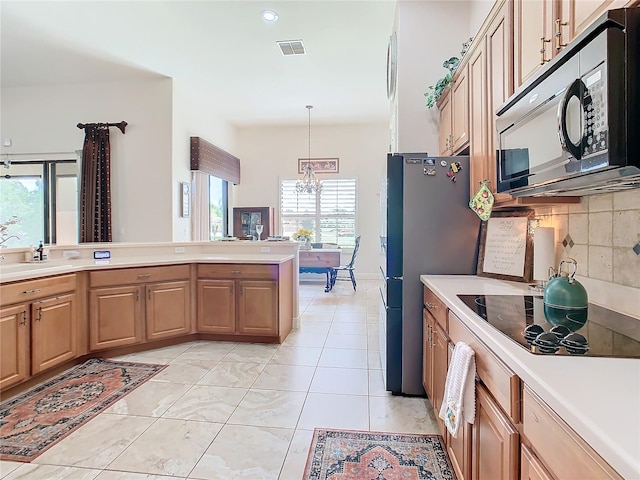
557 446
459 448
245 300
38 327
533 36
530 467
131 305
576 15
478 118
495 444
454 115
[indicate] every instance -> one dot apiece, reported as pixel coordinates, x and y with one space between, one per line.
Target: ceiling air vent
292 47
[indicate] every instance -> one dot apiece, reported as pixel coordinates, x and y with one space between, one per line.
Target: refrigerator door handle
384 303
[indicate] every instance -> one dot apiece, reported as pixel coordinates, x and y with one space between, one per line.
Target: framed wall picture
185 193
506 246
319 165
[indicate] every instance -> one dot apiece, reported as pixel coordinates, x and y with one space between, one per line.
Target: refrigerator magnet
443 163
430 171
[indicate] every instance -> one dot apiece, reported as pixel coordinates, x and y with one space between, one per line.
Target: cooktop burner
605 333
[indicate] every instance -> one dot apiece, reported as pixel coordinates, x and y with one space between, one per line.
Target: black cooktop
605 333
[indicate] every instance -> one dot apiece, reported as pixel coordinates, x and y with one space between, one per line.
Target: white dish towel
459 402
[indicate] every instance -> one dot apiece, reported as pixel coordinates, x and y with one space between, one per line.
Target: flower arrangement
302 235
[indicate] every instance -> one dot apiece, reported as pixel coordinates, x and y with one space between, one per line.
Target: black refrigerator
428 229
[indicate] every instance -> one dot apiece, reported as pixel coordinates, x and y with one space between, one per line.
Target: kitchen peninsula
577 417
144 296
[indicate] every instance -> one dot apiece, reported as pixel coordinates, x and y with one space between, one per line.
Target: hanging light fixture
308 183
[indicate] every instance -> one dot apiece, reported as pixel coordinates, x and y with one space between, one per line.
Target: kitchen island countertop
598 397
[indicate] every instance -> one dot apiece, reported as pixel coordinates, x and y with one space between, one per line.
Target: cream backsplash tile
604 230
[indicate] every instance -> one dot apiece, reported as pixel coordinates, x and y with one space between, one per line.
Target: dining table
320 260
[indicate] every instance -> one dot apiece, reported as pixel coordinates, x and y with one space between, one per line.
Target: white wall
194 115
428 32
42 120
271 153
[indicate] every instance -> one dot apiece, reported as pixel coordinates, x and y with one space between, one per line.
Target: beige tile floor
243 411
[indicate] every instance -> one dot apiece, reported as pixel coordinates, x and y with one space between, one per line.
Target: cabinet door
499 85
494 453
53 332
14 343
168 306
579 14
257 307
478 150
533 32
216 306
440 364
115 317
427 355
531 468
460 111
444 129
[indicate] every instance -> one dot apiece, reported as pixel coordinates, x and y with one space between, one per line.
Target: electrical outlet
70 254
179 250
265 249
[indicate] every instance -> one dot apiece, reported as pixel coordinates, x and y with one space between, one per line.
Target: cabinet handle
231 290
149 294
24 318
558 35
31 292
137 296
39 316
535 417
430 305
542 50
241 290
235 271
144 275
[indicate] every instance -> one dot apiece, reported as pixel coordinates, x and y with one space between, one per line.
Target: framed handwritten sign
506 246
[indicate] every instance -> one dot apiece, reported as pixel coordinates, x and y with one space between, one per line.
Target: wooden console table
320 260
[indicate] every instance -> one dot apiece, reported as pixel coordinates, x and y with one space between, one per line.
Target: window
330 215
218 207
43 197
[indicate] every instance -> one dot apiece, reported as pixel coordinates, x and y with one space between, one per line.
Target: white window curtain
200 229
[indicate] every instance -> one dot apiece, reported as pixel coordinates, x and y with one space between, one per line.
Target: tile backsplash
602 233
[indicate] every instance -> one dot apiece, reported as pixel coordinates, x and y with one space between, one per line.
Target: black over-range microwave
574 129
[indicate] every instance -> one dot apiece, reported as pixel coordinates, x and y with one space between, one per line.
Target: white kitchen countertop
598 397
23 271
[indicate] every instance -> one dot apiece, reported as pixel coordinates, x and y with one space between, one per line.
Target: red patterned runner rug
355 455
37 419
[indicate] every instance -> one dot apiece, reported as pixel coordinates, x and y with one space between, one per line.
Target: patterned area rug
42 416
351 455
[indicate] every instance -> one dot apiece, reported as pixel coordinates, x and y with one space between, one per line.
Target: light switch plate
179 250
265 249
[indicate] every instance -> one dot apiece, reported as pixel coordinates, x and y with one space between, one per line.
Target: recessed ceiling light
270 16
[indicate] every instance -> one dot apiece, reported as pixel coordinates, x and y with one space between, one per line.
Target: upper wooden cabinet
576 15
454 115
533 36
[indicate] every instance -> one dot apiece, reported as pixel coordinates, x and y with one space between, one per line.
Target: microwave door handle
576 89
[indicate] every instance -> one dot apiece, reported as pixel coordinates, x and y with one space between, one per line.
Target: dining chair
349 267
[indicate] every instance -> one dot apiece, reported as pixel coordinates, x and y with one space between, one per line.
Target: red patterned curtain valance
212 160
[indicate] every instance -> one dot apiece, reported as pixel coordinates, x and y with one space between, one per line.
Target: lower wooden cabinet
245 299
496 442
40 332
530 467
53 332
129 306
14 345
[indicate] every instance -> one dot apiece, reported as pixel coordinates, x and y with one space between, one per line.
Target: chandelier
308 183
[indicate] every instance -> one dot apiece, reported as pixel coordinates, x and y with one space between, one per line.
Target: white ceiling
222 46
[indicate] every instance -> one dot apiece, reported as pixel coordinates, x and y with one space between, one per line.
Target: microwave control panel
595 139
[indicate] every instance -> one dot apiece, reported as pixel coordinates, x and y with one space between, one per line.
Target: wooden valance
212 160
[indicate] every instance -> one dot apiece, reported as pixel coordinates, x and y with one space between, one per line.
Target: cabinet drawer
436 308
558 446
132 276
503 383
244 271
40 288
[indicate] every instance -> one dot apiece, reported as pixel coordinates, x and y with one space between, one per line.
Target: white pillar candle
543 252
